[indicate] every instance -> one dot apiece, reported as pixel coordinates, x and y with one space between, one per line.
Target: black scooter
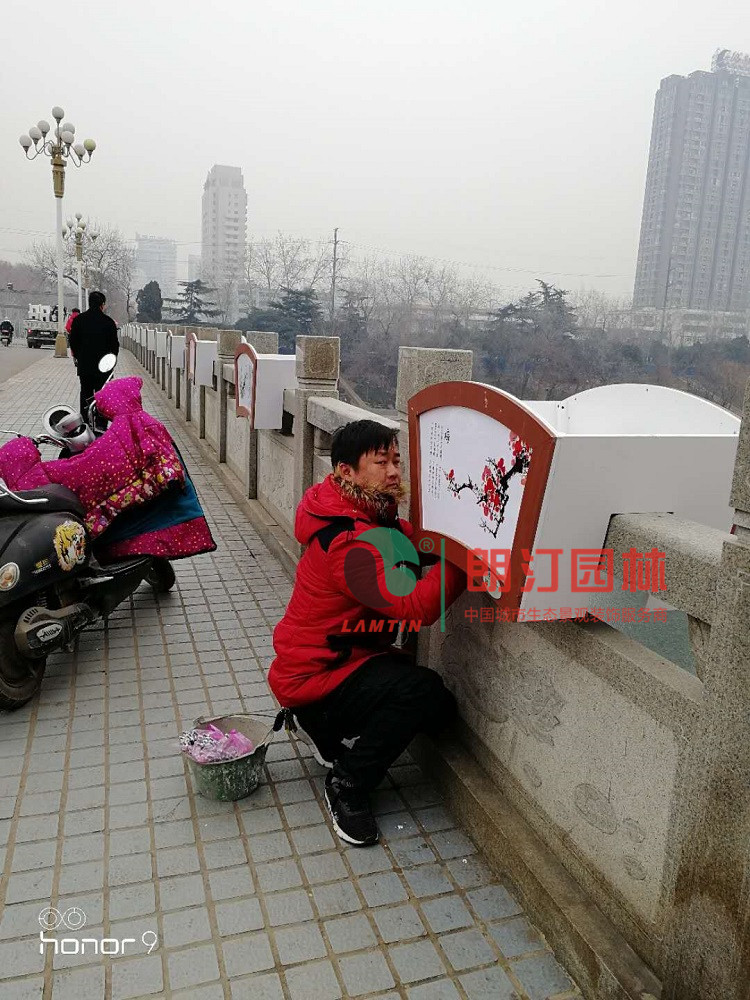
51 584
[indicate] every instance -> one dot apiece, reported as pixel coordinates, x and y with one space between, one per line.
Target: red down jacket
316 644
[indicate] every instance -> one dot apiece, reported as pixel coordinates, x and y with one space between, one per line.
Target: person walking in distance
336 675
92 335
75 311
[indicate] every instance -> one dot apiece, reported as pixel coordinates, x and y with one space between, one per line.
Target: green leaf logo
395 549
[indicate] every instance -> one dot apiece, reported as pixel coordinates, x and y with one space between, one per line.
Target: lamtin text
382 625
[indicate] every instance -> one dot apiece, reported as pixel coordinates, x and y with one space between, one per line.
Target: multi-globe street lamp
62 149
77 232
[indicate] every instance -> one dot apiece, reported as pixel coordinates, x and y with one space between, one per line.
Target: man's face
376 470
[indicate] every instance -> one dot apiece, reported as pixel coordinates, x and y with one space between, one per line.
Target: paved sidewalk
252 900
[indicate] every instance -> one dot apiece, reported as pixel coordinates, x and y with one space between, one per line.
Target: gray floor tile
467 949
316 981
541 976
365 973
416 961
350 933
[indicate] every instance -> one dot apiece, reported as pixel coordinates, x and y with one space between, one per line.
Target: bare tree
411 277
287 262
474 299
226 300
360 284
596 310
109 262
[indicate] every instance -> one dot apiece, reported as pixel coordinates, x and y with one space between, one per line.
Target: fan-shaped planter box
521 493
260 381
200 356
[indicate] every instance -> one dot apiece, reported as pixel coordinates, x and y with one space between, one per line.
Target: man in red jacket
335 667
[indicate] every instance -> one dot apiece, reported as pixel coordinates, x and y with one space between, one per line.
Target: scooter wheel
161 575
20 676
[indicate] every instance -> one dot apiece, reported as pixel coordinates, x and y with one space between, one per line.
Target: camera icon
73 919
50 918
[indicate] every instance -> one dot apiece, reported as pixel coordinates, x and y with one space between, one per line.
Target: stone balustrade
600 776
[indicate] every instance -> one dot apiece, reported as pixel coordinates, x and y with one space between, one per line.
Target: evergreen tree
295 314
193 306
149 303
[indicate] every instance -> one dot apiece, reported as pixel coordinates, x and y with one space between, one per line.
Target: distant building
15 302
694 252
156 260
684 327
224 235
193 266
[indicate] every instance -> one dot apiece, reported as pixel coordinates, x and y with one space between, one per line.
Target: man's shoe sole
345 836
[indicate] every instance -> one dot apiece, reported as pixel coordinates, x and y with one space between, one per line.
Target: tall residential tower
223 227
694 251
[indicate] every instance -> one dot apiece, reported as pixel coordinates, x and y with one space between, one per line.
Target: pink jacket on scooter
133 462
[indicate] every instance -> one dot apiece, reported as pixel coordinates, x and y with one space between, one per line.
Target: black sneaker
350 810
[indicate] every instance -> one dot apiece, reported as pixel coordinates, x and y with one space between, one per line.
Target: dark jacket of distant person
92 335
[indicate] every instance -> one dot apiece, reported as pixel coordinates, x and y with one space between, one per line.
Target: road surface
18 356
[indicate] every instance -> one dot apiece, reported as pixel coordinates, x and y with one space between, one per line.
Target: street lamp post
78 231
61 149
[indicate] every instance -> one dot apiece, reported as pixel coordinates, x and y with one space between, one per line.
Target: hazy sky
505 135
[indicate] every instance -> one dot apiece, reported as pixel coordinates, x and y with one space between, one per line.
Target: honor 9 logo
74 919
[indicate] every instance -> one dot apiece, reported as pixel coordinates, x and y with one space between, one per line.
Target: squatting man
339 684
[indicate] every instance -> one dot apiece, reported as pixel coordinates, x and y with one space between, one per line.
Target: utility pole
333 280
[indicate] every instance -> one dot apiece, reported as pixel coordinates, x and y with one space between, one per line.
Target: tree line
545 343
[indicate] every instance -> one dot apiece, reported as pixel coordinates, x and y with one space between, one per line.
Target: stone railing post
177 377
264 342
186 387
707 956
419 367
317 375
175 333
227 342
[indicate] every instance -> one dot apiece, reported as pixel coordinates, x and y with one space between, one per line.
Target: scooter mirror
107 363
53 416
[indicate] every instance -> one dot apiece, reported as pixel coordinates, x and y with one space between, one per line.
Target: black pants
91 382
384 703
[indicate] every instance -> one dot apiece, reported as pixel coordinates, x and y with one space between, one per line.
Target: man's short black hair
97 300
359 438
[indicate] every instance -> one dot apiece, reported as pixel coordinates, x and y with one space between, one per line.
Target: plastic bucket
229 780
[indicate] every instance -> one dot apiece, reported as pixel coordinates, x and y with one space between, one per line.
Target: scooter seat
59 500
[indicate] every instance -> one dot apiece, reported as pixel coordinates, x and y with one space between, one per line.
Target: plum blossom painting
473 473
492 491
